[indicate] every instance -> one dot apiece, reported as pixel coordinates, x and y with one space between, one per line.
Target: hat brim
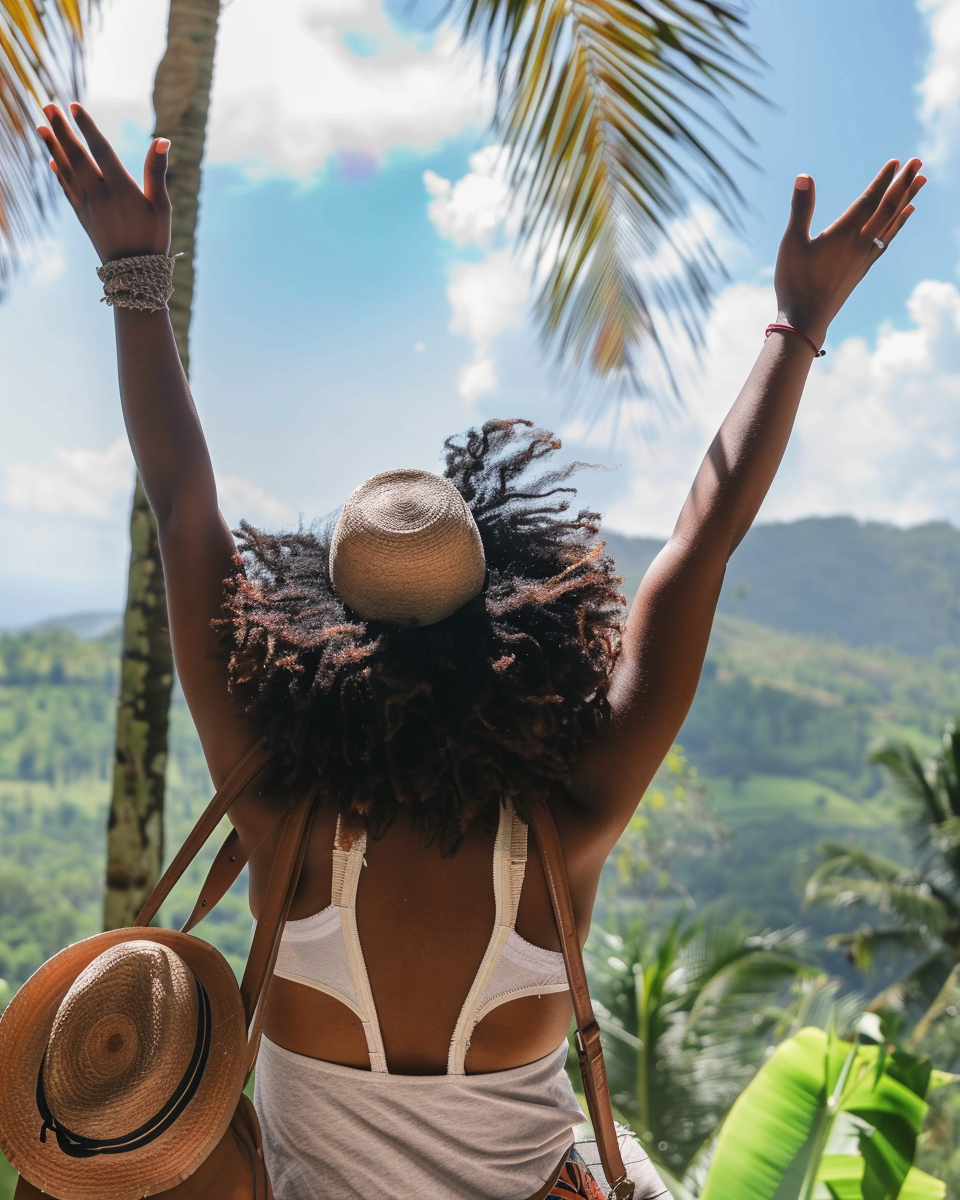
174 1155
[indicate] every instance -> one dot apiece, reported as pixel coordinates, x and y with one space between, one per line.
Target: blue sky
356 302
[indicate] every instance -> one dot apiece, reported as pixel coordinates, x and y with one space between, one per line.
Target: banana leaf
842 1177
774 1144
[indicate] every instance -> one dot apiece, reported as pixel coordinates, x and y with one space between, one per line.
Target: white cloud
241 499
472 210
487 298
939 88
289 92
877 434
96 486
89 484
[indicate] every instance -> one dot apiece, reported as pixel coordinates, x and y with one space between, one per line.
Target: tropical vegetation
40 59
827 1116
920 900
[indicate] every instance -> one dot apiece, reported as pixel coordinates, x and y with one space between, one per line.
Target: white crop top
323 951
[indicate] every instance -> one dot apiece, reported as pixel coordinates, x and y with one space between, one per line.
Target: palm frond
39 62
817 1000
917 783
684 1012
860 946
602 107
919 988
930 792
912 900
945 1004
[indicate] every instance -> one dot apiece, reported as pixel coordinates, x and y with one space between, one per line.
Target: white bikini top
323 951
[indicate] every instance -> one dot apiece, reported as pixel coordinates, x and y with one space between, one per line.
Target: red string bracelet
817 353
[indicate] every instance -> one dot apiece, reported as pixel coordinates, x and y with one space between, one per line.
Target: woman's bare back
424 922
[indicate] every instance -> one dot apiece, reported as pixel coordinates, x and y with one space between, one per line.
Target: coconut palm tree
39 58
922 899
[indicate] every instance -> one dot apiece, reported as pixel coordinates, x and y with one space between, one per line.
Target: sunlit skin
425 920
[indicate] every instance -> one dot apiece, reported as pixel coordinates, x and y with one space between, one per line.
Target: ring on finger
879 244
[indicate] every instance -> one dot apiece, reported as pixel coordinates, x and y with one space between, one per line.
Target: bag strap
255 759
296 818
589 1050
282 885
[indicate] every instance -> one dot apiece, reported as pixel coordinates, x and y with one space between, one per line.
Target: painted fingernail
803 183
163 145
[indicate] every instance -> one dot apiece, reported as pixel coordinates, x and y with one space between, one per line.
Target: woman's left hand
814 276
120 218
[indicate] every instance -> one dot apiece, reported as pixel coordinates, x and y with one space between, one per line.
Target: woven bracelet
144 281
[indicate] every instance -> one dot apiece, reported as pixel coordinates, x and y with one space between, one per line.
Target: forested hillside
864 584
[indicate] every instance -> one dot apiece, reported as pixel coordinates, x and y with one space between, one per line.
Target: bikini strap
347 864
509 867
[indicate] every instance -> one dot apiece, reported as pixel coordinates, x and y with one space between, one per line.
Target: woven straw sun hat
131 1045
406 549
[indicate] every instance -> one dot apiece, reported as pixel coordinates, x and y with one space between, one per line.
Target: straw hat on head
406 549
121 1065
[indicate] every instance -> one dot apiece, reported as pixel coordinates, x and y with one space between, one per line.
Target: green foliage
56 714
738 729
921 902
824 1116
686 1012
674 819
56 706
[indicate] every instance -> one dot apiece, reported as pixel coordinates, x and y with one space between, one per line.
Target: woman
376 1075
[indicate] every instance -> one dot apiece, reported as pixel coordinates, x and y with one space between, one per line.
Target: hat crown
406 549
121 1040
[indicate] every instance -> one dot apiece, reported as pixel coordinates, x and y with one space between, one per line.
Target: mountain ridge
864 583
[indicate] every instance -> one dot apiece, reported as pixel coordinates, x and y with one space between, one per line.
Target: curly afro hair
445 720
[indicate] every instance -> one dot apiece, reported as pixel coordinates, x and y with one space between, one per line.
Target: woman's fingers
896 225
103 153
57 156
78 161
893 201
802 204
863 208
155 174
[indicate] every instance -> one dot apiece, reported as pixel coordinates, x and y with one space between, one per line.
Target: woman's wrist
811 326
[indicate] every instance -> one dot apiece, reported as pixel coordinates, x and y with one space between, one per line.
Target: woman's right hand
120 219
814 276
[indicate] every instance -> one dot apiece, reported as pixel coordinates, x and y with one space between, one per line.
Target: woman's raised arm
165 433
669 623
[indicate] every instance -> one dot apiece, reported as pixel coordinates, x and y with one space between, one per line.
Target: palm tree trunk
181 101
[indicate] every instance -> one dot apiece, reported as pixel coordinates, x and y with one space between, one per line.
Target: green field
822 806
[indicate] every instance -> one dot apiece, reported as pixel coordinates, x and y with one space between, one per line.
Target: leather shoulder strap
284 877
250 765
590 1052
